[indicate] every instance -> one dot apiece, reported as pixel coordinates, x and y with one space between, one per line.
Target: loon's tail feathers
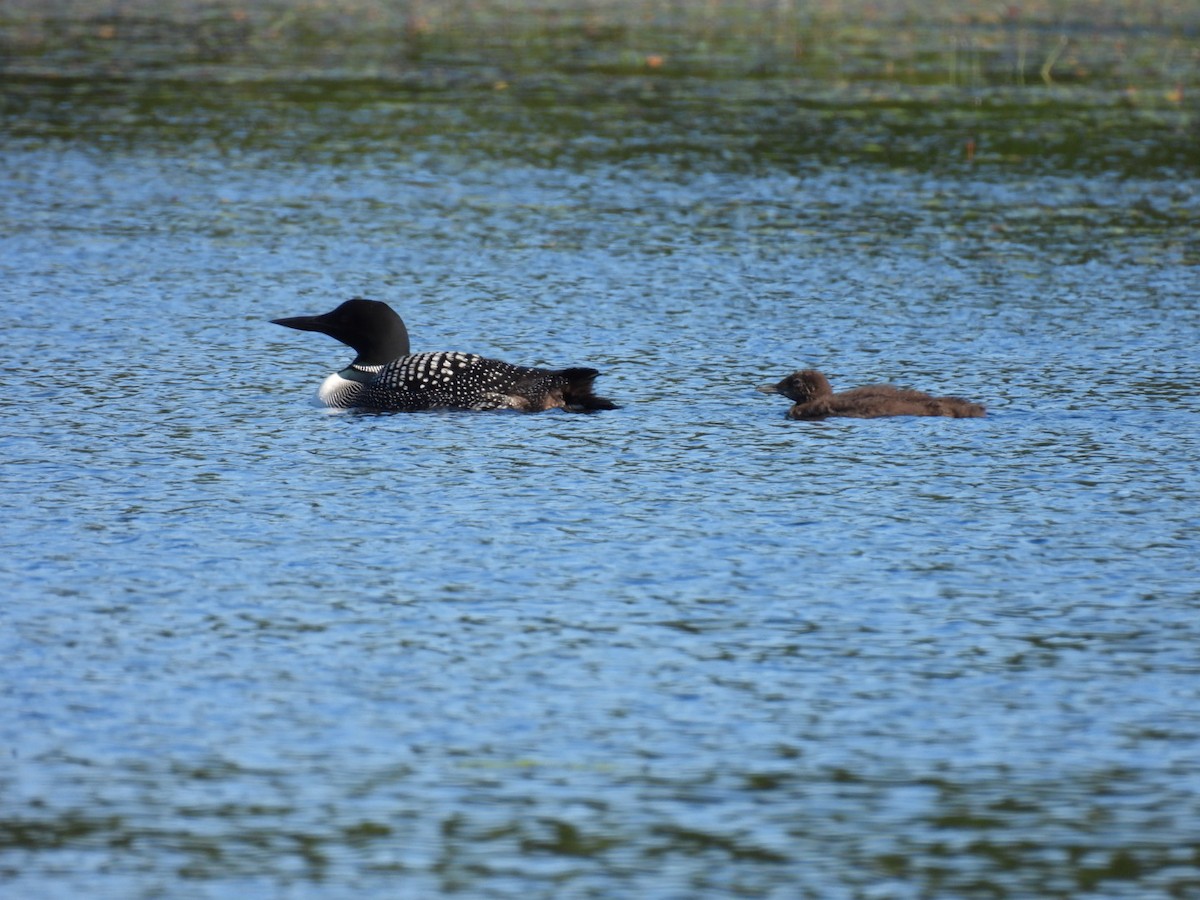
577 392
958 408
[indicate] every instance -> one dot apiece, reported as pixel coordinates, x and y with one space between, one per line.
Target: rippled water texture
683 649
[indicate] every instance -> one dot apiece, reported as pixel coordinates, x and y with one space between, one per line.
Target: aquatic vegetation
1094 86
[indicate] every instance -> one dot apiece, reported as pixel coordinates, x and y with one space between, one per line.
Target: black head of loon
371 327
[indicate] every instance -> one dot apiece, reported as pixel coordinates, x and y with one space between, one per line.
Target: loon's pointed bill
300 323
386 375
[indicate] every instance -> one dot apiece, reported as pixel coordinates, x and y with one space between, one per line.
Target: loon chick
815 399
385 375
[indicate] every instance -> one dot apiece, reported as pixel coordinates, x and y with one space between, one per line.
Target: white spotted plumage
449 379
386 375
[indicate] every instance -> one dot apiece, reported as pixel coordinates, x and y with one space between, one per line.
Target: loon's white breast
338 391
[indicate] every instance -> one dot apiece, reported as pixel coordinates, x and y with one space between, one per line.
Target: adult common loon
385 375
815 399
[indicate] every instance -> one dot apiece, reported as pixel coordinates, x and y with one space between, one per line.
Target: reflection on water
686 648
674 88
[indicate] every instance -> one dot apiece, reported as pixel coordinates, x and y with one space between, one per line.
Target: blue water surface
686 648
